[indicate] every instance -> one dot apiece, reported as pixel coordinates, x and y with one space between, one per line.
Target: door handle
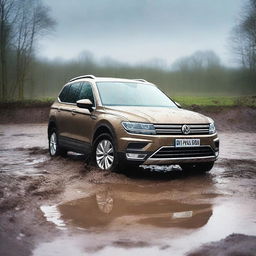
58 109
73 112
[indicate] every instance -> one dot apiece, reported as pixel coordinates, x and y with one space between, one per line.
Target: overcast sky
136 31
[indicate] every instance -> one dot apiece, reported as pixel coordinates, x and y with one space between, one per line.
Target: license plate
182 143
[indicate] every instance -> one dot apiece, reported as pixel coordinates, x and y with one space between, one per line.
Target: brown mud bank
226 118
30 114
233 245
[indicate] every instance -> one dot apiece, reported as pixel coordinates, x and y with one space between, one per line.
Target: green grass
190 101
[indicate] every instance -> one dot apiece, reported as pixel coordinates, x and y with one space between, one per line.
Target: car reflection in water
134 205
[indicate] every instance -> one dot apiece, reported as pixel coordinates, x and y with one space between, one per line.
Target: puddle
147 220
52 214
103 209
117 206
25 136
21 162
239 146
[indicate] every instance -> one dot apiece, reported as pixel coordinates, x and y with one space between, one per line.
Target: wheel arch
51 125
104 127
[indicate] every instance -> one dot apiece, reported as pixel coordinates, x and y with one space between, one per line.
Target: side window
73 93
86 92
64 93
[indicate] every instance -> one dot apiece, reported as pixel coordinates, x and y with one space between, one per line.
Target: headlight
212 128
139 128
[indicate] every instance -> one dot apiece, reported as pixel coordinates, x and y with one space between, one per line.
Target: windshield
132 94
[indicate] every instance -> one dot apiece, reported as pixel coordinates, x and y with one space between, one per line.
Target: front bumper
207 152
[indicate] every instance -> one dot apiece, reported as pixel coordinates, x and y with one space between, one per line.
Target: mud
18 114
61 206
235 244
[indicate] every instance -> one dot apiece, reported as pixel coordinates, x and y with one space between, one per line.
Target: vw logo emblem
185 129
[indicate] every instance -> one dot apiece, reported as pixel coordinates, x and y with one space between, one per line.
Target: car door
83 120
63 112
66 108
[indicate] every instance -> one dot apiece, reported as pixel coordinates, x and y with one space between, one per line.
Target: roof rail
141 80
83 76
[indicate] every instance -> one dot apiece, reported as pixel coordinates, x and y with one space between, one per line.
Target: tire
104 153
197 167
54 148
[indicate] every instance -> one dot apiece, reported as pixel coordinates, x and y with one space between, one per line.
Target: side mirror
85 103
178 104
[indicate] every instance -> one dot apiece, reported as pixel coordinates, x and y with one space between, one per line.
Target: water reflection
130 204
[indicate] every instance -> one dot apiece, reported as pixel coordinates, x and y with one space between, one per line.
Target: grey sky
136 31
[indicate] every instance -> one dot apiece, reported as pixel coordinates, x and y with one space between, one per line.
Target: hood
157 115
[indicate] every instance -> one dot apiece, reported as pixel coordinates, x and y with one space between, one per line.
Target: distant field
185 101
189 101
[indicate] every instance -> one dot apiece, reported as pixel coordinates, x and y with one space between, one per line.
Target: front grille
176 129
172 152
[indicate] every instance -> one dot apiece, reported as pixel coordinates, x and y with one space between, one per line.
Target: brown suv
123 122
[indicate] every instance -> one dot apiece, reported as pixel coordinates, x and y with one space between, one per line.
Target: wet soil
235 244
61 206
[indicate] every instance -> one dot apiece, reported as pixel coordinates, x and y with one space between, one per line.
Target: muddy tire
104 154
54 148
197 167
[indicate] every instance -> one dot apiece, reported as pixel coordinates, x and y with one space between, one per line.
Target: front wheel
197 167
104 152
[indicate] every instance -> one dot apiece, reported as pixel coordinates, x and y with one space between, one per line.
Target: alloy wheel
53 144
105 154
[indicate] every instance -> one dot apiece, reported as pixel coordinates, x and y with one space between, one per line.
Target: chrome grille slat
199 125
167 131
199 131
174 129
172 152
167 126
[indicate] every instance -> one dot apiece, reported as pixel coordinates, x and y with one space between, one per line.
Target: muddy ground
60 206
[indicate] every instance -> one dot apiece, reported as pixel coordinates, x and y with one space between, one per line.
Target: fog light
217 143
135 156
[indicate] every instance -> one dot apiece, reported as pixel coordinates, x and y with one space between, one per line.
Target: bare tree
244 37
33 21
7 16
21 23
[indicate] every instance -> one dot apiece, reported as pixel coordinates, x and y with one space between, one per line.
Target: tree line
198 74
21 24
